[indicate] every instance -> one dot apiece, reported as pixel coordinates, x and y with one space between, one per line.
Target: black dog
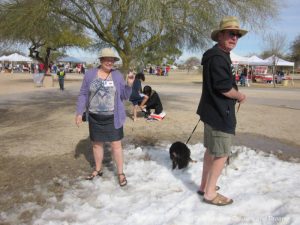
180 155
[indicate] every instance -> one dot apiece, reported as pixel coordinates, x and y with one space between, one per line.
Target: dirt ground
39 140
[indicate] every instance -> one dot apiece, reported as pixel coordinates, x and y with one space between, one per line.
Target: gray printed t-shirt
103 101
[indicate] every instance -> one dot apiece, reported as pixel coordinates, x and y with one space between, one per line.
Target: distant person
150 70
83 69
54 68
217 107
158 71
61 78
243 77
41 68
137 97
32 68
102 93
167 70
153 102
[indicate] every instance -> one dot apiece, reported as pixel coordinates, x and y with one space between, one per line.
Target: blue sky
287 23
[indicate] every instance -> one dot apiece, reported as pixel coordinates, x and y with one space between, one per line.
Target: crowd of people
159 70
40 67
15 68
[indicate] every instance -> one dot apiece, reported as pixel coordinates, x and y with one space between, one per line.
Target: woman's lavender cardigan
123 92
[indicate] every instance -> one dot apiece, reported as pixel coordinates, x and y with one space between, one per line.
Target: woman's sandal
201 193
94 174
219 200
122 181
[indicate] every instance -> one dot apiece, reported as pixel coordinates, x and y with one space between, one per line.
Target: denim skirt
102 129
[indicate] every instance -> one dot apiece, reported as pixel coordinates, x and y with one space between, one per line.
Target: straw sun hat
228 23
108 52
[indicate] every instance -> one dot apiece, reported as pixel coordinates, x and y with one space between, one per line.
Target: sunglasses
233 34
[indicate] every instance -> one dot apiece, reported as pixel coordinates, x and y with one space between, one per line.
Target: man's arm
234 94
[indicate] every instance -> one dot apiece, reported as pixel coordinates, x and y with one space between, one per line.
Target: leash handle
192 132
238 108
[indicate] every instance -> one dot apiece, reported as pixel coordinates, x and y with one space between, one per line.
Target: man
217 107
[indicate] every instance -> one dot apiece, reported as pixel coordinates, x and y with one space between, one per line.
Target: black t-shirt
154 103
214 108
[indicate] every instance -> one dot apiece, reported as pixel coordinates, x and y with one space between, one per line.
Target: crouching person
153 102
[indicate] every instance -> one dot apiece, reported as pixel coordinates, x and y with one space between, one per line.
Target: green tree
133 26
161 53
296 51
32 23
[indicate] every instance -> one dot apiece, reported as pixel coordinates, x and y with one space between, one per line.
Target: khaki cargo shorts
217 142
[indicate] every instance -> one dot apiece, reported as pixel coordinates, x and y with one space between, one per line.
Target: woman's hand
78 120
130 78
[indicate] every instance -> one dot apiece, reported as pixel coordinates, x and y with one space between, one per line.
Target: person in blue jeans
243 77
137 98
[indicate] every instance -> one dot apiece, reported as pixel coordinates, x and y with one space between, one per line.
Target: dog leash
192 132
200 120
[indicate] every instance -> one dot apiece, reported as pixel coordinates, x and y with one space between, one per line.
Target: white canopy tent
15 57
279 61
3 58
237 59
256 61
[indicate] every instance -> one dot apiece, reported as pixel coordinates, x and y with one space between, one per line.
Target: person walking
101 95
61 78
217 107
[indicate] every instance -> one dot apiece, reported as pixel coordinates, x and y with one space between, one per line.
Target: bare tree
296 50
275 45
191 62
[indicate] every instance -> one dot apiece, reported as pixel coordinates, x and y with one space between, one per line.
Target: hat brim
116 58
214 34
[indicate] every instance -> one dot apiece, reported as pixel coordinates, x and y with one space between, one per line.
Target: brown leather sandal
122 181
219 200
94 174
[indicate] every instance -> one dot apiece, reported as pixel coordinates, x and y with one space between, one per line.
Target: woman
137 97
102 93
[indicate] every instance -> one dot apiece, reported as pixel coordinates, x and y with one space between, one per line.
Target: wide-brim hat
228 23
108 52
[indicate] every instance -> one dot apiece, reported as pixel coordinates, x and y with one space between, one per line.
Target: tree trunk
48 51
125 63
274 70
